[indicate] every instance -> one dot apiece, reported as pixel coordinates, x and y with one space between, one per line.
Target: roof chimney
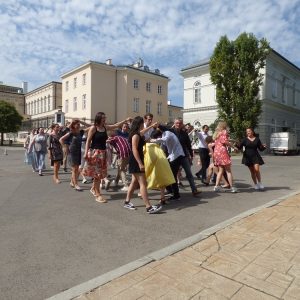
109 61
25 87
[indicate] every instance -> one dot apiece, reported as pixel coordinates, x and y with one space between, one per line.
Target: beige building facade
118 91
42 103
174 112
15 96
279 93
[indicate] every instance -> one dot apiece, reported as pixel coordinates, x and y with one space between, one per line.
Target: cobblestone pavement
257 257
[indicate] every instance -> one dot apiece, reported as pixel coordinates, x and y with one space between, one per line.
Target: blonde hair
222 125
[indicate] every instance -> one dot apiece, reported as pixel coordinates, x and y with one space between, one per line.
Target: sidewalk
257 257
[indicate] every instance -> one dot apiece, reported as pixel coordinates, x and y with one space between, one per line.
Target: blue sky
42 39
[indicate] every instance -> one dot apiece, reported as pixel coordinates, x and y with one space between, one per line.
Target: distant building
118 91
279 93
174 112
13 95
42 103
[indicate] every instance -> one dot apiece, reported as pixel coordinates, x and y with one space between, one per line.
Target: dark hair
252 130
148 115
156 134
54 125
204 126
73 123
208 139
98 118
135 126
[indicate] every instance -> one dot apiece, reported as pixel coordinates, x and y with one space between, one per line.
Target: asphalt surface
53 238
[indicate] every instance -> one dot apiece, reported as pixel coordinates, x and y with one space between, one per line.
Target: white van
284 143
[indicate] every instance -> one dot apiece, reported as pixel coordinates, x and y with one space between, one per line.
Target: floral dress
221 155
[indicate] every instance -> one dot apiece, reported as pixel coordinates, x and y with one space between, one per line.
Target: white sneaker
256 186
217 188
233 190
260 186
124 189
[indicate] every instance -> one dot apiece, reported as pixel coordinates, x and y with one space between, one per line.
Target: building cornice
195 109
281 106
42 87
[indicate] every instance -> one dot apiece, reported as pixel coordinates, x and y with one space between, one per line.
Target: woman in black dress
55 151
136 165
251 156
75 139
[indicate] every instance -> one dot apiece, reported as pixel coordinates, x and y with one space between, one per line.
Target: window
31 108
75 104
75 83
135 84
49 103
274 85
284 89
84 101
148 106
34 110
67 86
45 104
136 104
159 108
170 113
159 89
294 94
197 92
148 86
84 79
66 106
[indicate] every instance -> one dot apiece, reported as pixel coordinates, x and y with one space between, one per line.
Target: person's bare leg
143 188
132 187
219 175
253 175
229 175
257 172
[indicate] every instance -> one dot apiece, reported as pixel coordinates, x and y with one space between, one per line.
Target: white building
280 94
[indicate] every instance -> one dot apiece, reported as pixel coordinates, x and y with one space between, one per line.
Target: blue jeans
40 160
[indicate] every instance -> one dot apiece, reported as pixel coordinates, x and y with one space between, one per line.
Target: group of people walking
89 149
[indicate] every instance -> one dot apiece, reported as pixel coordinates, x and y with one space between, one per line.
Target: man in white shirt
175 154
203 153
147 122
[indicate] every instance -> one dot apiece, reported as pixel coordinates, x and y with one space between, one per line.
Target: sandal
100 199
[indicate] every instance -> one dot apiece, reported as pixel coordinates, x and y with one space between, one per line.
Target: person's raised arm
117 125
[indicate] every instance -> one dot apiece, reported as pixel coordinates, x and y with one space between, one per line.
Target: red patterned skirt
96 166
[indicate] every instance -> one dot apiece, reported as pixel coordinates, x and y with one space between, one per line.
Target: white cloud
45 38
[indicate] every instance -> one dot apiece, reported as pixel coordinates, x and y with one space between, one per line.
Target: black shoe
198 175
174 198
65 170
205 182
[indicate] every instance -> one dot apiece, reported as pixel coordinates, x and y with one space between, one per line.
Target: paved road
53 237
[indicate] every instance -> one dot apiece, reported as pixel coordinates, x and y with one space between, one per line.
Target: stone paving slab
257 257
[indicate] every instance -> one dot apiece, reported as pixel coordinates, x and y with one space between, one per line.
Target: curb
87 286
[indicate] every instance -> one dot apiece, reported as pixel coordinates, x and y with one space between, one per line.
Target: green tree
235 70
10 119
